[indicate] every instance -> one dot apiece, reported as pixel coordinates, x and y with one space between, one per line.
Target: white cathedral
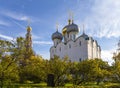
75 48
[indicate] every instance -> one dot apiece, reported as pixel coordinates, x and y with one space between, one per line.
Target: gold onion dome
57 35
29 28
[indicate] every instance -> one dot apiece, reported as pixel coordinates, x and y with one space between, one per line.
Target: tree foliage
20 64
8 66
59 69
92 70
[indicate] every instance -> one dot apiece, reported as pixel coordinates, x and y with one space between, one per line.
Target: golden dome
29 28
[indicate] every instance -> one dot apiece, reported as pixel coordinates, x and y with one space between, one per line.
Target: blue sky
100 17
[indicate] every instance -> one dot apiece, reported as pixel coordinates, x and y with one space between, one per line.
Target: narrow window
80 59
80 43
68 35
73 37
69 46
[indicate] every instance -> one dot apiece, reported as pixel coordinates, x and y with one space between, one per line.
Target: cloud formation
42 42
104 19
15 15
34 42
18 24
107 55
6 37
4 23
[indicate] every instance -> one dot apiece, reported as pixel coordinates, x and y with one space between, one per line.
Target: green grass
93 85
69 85
17 85
112 85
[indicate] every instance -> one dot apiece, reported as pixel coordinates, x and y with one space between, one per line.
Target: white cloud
107 55
6 37
103 19
4 23
18 24
15 15
42 42
34 36
24 18
44 54
34 42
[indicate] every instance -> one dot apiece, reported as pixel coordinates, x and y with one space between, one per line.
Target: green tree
20 51
101 70
33 71
116 57
116 72
58 67
73 74
8 66
84 68
96 66
116 67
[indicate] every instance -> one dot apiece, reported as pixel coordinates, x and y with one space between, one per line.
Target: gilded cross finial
83 28
70 17
57 25
70 14
28 21
28 27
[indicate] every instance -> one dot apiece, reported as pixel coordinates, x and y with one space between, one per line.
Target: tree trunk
2 80
98 81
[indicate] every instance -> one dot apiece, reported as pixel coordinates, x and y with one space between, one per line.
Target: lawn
68 85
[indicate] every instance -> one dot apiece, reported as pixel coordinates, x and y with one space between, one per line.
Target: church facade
75 48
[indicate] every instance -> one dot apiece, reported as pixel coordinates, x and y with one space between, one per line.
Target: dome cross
28 21
57 26
83 29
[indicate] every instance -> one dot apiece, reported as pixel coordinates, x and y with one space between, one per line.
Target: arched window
69 46
80 43
73 36
80 59
68 35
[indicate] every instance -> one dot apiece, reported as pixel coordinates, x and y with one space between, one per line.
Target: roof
57 35
84 35
70 28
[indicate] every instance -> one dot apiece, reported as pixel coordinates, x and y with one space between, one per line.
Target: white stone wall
77 50
90 48
74 50
99 52
56 41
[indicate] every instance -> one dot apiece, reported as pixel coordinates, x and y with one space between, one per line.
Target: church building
75 48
